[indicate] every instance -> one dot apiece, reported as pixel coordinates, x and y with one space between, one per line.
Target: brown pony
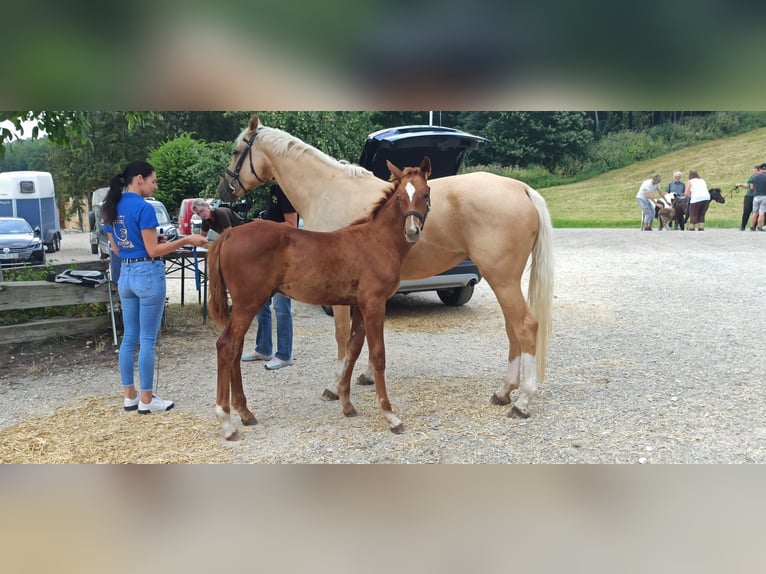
358 265
502 224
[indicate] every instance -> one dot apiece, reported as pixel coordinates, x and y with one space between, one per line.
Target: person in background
281 210
758 185
699 199
747 203
130 222
677 187
215 218
646 201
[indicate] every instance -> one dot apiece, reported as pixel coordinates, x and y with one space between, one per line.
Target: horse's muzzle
225 192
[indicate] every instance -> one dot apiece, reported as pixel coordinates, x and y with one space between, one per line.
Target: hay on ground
98 431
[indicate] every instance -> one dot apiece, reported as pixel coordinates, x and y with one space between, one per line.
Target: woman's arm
155 249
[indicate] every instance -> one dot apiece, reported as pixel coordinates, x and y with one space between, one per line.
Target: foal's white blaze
410 189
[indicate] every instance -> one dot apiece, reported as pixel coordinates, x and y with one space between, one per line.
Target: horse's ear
425 166
254 121
396 173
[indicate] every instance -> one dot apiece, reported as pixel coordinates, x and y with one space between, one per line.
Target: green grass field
609 199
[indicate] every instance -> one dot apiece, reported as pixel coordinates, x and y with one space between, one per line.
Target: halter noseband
234 175
418 216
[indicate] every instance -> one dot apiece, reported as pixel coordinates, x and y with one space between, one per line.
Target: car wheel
49 247
457 296
56 244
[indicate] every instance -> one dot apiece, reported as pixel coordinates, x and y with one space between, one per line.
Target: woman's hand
195 240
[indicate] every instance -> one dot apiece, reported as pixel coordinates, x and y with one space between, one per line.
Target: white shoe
156 406
130 404
255 356
275 364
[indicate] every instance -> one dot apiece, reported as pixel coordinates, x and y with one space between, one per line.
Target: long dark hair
118 183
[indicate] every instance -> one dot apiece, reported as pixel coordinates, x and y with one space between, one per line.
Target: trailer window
27 186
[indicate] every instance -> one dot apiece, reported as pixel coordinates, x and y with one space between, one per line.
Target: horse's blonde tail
541 280
218 301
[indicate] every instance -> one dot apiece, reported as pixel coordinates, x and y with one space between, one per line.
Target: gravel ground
653 360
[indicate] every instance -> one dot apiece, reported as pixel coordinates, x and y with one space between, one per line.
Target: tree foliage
187 167
84 149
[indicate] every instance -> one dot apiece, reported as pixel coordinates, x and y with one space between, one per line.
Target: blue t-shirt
134 213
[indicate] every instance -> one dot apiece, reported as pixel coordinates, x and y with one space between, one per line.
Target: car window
15 226
162 214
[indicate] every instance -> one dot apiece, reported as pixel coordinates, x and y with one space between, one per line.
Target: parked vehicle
404 146
31 196
19 243
99 240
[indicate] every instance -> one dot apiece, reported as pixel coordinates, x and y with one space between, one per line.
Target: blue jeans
283 311
142 298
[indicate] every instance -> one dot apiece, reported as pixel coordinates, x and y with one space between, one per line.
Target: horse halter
234 182
420 217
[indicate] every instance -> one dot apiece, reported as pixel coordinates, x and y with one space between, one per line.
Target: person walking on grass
646 201
131 222
747 203
758 185
699 199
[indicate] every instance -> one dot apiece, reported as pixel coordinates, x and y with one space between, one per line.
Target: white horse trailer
31 196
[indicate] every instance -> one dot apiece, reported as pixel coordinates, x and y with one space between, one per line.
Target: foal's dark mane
377 207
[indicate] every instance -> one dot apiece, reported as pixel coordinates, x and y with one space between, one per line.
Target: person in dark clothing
215 218
758 185
279 209
747 204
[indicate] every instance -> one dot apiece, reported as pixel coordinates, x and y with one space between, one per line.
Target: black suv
405 146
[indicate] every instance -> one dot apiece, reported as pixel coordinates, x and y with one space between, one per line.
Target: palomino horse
253 261
497 221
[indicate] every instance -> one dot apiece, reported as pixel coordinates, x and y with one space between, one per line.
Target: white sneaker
255 356
156 406
130 404
275 363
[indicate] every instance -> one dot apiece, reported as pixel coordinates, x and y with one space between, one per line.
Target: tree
187 167
524 138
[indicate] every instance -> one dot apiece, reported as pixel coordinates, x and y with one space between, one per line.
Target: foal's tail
541 280
218 300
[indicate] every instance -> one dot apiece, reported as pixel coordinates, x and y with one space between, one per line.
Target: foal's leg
353 347
340 315
521 329
241 322
374 315
229 349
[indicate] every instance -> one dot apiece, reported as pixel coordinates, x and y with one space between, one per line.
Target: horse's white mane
284 144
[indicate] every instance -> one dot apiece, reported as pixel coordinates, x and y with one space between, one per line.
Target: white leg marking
528 382
225 419
512 379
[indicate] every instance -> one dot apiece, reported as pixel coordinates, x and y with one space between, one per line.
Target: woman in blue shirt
131 225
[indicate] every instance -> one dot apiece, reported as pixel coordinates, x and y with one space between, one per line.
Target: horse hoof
364 380
328 395
517 413
398 429
250 421
495 400
350 413
234 436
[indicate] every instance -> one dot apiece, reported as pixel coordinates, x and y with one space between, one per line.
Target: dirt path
652 360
